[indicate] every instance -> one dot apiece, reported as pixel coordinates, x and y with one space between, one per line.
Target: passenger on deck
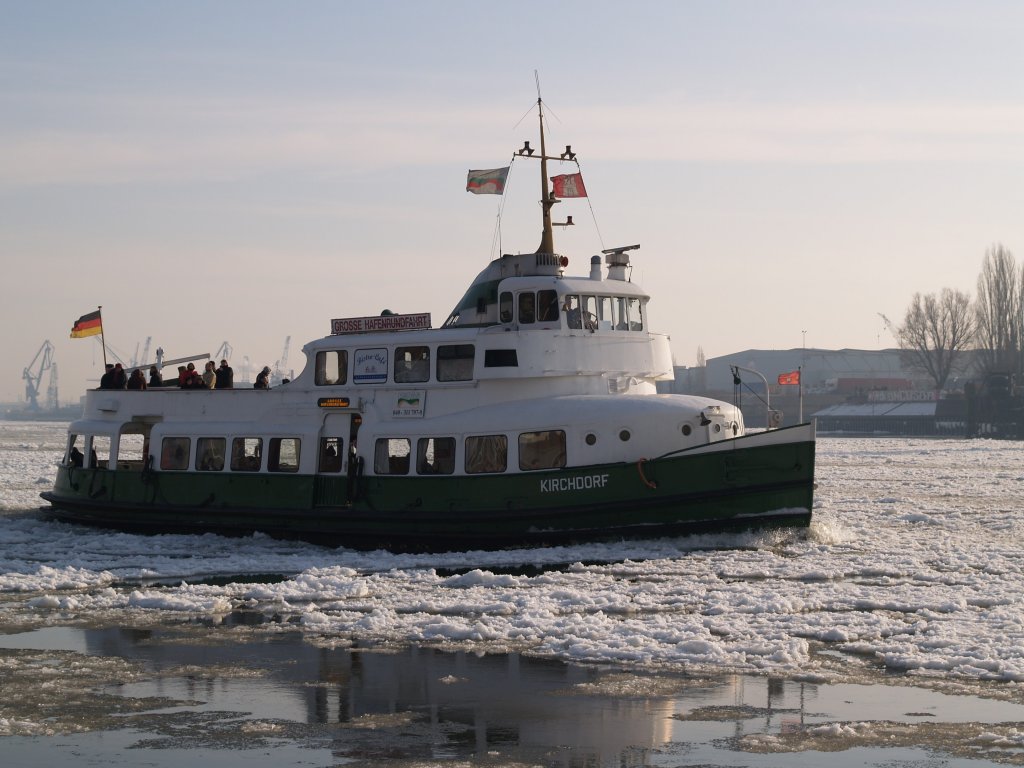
225 376
263 379
136 380
182 376
192 378
76 458
107 379
120 379
155 379
209 375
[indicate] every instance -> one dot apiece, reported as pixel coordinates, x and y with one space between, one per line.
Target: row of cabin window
411 364
482 454
246 454
593 312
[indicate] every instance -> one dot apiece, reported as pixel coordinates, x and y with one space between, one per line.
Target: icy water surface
890 633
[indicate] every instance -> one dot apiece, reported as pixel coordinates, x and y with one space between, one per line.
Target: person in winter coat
263 378
225 376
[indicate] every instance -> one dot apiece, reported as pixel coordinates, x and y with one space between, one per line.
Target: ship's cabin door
334 460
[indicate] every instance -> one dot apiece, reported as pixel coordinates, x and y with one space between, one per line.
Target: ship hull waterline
733 488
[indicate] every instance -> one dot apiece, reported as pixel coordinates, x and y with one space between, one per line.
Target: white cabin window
435 456
412 364
455 362
246 454
332 367
391 456
283 455
174 453
131 451
210 452
486 453
542 450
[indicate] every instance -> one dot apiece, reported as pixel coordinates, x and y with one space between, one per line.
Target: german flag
87 325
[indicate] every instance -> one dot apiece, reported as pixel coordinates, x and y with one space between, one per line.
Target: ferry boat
530 416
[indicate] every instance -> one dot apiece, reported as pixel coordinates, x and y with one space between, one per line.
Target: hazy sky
245 171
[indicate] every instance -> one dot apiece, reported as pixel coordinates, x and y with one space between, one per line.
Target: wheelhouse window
412 364
527 307
391 456
621 314
573 314
246 454
435 456
174 453
283 454
486 453
589 312
331 454
74 456
636 318
542 450
331 367
547 306
505 307
455 362
605 314
99 455
210 453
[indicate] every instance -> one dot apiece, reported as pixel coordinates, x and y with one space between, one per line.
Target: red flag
793 377
569 185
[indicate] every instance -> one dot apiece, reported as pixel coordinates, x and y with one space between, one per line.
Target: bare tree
998 312
935 332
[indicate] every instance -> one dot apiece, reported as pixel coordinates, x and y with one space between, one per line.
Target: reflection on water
264 697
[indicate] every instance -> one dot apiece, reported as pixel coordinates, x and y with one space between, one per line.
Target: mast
547 198
547 195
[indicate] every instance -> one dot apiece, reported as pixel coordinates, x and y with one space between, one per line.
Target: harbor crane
281 371
33 378
223 352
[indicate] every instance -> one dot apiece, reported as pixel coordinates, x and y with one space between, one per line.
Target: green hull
738 487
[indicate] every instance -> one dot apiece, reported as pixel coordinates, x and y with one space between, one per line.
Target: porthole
624 435
735 428
718 427
687 429
591 438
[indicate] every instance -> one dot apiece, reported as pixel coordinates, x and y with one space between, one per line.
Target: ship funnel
595 267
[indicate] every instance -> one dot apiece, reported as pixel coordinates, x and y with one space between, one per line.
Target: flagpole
103 339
